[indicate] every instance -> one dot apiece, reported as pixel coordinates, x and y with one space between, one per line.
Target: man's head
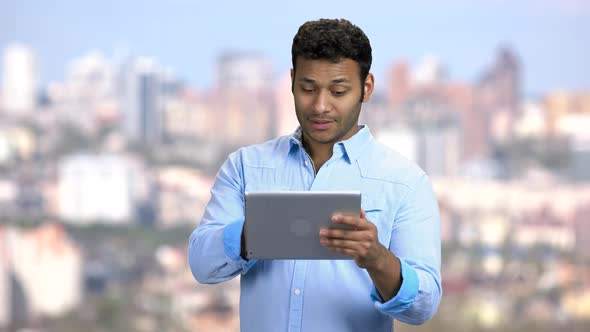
330 80
334 40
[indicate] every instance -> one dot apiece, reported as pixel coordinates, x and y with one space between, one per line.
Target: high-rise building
437 129
399 84
20 80
145 87
499 95
244 96
473 123
503 81
507 72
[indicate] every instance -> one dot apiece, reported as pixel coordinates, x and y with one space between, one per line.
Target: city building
532 123
20 81
499 95
183 194
562 103
439 149
40 274
428 72
189 117
145 88
542 227
438 130
399 84
89 93
244 98
503 81
101 188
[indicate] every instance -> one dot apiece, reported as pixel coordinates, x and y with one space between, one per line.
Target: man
395 242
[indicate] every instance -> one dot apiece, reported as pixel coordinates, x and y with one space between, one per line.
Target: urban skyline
189 35
105 172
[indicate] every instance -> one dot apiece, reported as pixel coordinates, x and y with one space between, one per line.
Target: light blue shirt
324 295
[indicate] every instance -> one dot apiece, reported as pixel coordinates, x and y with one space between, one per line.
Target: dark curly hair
333 39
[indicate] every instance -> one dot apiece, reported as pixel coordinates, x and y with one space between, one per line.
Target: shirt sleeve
415 240
214 246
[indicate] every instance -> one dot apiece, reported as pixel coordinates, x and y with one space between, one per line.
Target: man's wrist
382 261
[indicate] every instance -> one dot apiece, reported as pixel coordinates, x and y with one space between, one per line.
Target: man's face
327 99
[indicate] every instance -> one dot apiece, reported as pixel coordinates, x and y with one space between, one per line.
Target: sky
551 37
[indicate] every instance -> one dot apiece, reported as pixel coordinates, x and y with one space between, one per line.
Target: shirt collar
353 147
297 137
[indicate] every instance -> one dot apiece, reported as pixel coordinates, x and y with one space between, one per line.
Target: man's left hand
361 242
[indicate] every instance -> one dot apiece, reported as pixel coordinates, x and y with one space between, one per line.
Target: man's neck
319 153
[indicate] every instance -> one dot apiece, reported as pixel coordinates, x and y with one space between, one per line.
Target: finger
355 235
363 214
345 244
353 221
348 252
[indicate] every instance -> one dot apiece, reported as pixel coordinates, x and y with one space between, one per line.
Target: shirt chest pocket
263 178
376 213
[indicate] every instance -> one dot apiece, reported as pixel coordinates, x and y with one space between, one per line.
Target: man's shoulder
381 162
265 154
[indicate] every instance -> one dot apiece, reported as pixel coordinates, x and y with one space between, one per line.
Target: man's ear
292 79
368 86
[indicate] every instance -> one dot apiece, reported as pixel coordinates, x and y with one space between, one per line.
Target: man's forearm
386 275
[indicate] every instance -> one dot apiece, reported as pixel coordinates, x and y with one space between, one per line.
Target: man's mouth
320 124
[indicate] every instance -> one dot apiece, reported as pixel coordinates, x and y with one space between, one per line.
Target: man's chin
322 138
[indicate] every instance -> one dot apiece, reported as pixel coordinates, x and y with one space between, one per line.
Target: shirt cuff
232 241
404 297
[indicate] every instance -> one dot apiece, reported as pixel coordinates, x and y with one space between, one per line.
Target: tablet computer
286 224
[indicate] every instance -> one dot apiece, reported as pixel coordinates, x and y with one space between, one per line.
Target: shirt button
306 163
297 291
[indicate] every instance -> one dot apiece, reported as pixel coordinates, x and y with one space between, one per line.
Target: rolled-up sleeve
415 240
404 297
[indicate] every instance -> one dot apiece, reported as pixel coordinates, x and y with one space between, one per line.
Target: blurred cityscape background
107 155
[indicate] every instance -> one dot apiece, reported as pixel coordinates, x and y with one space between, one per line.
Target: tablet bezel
303 212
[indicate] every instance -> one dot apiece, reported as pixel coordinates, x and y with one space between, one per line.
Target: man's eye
339 93
307 90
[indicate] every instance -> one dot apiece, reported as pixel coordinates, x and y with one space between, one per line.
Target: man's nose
322 102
